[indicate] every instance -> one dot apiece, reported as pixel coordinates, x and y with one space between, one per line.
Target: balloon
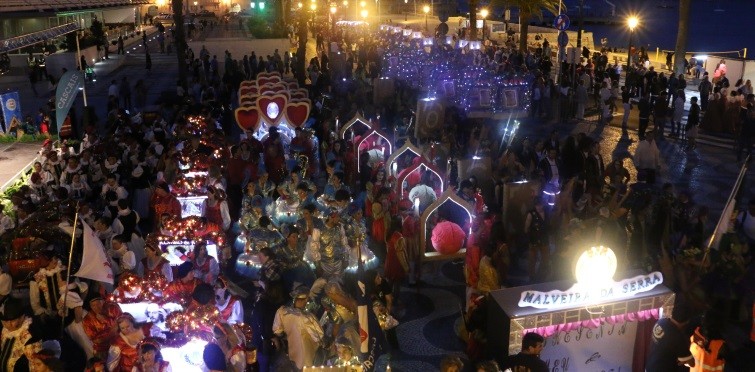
448 237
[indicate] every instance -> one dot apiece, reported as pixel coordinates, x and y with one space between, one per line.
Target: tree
681 37
528 9
180 37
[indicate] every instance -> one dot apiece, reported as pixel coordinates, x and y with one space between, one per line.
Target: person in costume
396 261
150 359
345 357
123 354
291 256
206 267
231 340
229 305
216 208
154 264
19 340
162 202
46 361
98 326
71 309
181 289
328 248
44 291
300 327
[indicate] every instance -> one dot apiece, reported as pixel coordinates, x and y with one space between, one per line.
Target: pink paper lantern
448 238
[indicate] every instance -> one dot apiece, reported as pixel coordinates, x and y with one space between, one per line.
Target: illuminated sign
594 272
581 296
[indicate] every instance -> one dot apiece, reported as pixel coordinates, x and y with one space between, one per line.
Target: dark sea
715 25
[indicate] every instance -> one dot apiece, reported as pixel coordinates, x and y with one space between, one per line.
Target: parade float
598 321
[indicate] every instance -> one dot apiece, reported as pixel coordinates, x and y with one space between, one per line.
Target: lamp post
426 9
632 22
483 14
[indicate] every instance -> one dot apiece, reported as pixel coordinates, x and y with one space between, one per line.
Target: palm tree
178 22
528 9
473 19
681 36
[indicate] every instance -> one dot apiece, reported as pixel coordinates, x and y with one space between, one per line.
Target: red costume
100 331
156 271
180 292
213 214
395 271
226 312
129 354
164 204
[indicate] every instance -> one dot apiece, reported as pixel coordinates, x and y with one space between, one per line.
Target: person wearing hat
162 201
98 326
44 290
229 305
181 289
150 358
19 335
300 328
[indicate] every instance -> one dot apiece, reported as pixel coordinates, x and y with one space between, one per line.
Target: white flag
94 262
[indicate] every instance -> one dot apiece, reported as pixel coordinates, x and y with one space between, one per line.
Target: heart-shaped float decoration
261 81
248 118
249 100
299 95
272 108
247 90
293 85
272 89
297 113
248 83
305 100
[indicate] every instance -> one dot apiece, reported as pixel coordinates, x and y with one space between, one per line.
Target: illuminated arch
413 168
408 146
356 119
373 132
448 195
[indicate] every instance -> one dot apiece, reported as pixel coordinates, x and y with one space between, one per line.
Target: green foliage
261 28
26 138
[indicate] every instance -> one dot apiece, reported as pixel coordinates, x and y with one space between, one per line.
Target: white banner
606 348
94 262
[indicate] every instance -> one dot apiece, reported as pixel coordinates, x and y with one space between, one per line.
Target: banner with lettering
11 110
606 348
65 94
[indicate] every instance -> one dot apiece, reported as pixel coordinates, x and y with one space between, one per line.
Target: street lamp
426 9
364 13
484 14
632 22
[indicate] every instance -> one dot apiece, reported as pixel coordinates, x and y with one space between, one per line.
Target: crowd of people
293 213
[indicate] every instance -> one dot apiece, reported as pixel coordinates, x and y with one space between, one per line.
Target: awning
22 41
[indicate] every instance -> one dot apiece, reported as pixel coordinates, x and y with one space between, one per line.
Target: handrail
728 210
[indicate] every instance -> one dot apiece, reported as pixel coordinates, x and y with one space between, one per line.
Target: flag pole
68 269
